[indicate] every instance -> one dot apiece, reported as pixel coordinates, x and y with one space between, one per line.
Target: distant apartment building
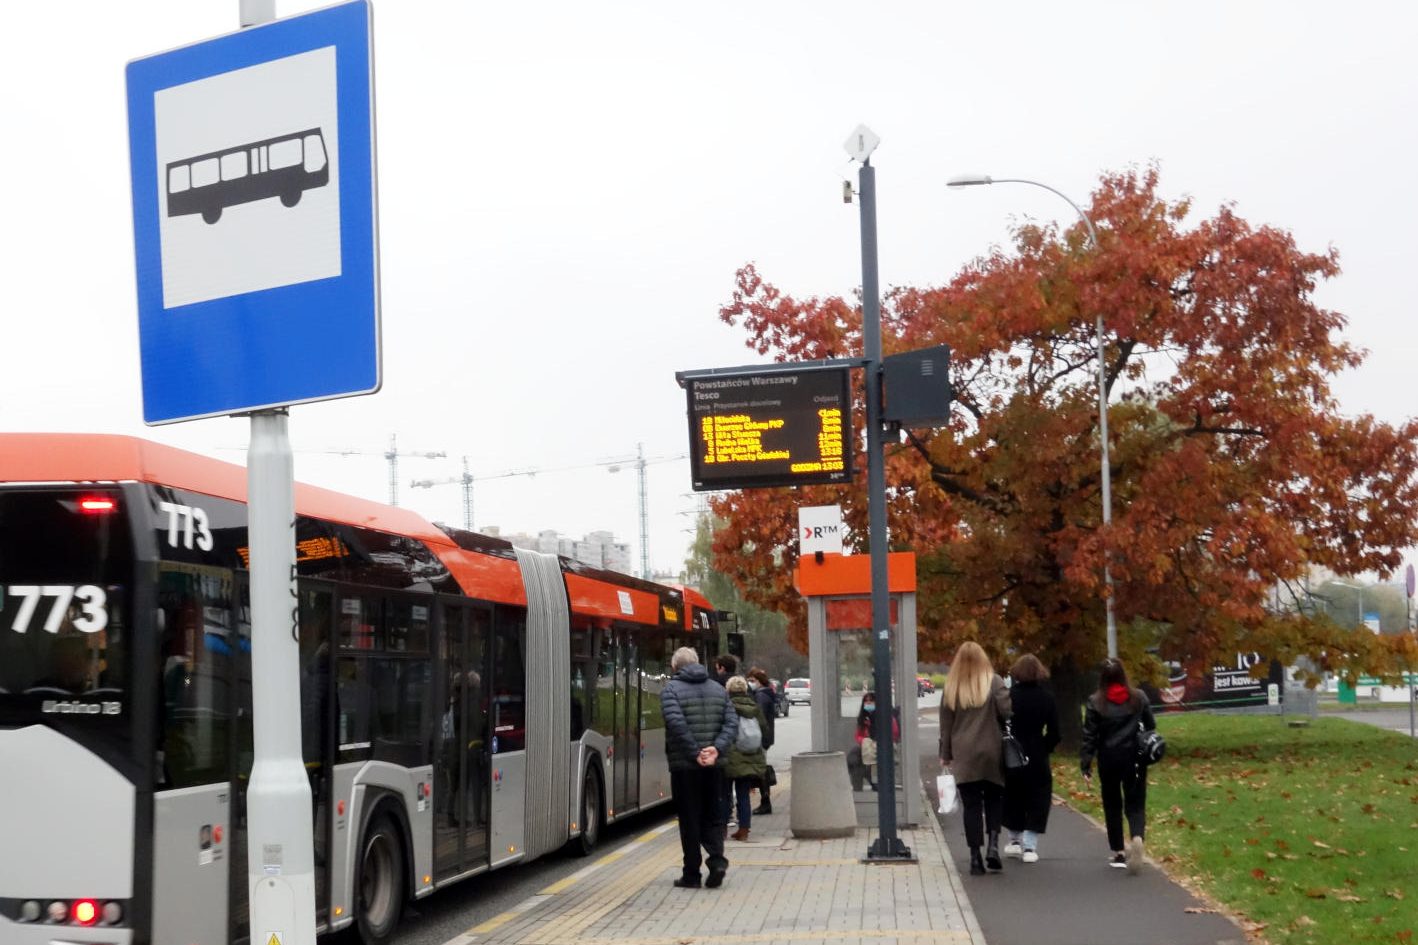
597 549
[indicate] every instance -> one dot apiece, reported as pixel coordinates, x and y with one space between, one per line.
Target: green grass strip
1311 833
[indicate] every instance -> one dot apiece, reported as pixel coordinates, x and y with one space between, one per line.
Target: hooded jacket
697 714
747 764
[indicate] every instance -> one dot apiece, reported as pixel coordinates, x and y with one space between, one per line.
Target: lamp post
975 180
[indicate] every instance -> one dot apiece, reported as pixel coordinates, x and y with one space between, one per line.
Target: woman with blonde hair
974 705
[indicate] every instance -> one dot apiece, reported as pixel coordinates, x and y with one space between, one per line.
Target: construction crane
466 480
639 461
392 454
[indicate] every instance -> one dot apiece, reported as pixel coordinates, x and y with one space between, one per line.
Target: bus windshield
65 564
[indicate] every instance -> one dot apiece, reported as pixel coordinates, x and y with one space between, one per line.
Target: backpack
750 734
1151 746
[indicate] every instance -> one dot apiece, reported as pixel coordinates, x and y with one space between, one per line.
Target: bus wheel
212 215
591 816
379 882
290 199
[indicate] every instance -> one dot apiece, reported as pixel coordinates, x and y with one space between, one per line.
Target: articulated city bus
464 705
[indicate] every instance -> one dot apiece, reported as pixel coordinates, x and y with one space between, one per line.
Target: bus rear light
30 911
112 913
85 912
57 911
97 504
340 808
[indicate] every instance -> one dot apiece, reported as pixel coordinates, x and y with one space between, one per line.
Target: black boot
977 865
992 859
765 808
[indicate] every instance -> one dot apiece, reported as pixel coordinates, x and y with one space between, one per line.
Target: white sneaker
1030 856
1012 848
1134 855
1118 862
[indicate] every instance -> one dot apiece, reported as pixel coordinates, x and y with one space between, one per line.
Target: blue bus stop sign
254 217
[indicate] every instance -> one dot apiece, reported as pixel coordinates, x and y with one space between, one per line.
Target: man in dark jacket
700 725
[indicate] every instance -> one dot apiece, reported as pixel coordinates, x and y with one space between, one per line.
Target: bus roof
101 457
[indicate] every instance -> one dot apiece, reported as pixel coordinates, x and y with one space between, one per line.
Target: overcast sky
566 190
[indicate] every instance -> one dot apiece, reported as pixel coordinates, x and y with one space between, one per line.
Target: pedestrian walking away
974 705
1114 720
747 762
700 725
767 699
1029 791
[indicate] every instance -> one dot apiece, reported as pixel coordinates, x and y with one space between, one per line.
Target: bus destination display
790 427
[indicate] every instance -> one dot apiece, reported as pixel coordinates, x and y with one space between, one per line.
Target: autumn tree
1232 466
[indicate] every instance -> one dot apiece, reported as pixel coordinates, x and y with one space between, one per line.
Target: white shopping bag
949 797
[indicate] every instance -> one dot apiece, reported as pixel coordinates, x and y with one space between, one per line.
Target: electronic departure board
784 428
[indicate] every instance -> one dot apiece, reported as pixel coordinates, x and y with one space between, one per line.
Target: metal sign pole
280 861
887 846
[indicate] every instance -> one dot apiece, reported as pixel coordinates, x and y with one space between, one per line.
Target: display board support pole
887 845
280 862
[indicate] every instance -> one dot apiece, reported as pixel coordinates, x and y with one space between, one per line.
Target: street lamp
976 180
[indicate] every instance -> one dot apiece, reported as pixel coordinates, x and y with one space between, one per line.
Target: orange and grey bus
465 705
285 167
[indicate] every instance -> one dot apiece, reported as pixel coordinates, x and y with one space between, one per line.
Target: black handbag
1014 756
1151 746
770 777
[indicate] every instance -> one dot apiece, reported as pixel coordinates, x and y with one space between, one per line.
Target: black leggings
1124 790
975 795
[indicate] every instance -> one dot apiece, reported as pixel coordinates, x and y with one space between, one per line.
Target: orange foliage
1232 467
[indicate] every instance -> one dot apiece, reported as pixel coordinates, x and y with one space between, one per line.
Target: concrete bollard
821 805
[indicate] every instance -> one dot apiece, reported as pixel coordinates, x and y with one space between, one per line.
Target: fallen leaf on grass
1350 897
1303 921
1321 844
1315 893
1394 893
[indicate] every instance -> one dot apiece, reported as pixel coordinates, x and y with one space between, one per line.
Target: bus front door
460 798
627 722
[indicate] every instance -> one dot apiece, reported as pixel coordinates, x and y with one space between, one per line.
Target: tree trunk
1071 687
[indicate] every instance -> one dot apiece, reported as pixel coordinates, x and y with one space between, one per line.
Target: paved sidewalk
779 890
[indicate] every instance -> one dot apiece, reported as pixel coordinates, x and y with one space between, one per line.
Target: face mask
869 707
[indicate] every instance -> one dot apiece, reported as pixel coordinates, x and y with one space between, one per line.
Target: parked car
924 685
780 698
798 690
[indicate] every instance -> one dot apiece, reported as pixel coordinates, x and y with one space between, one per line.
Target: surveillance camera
846 191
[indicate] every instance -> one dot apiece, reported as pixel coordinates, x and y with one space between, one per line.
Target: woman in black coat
1028 791
1113 719
767 701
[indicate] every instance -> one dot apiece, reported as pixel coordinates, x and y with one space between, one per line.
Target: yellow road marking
493 923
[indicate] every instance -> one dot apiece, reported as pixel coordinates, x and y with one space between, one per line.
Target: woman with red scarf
1112 721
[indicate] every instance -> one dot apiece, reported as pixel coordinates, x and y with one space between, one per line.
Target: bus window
205 172
360 624
196 651
352 699
509 681
179 179
654 671
285 153
314 153
408 627
233 165
400 715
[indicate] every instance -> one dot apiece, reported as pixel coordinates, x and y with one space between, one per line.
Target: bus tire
212 214
593 811
379 880
290 199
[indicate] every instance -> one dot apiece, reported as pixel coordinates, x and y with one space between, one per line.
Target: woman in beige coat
973 708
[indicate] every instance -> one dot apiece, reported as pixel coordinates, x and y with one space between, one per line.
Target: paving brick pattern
779 891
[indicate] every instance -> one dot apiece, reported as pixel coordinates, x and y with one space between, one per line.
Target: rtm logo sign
820 529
